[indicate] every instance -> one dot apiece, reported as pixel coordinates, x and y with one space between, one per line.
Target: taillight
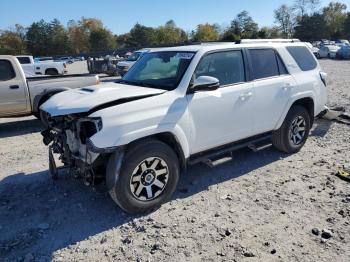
64 65
323 77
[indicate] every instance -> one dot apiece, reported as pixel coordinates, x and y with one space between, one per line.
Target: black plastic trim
215 152
118 102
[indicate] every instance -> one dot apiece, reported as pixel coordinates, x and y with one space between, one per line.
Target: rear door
13 93
272 87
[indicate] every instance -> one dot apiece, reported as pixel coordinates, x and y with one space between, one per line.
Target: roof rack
260 41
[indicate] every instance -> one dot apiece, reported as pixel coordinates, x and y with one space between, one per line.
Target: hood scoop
86 89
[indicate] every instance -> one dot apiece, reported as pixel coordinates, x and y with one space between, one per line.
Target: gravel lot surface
264 206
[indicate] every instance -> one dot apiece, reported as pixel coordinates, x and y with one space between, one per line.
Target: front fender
291 101
124 139
37 101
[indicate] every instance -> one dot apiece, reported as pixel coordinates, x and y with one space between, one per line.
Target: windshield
133 57
163 70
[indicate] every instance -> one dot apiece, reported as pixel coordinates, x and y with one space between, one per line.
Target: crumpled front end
68 137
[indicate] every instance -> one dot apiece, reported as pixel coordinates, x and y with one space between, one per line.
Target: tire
39 114
51 72
285 138
137 167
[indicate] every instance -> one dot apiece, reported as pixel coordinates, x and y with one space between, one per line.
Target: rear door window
303 57
227 66
6 70
264 63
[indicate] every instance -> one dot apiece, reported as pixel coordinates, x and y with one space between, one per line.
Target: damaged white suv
183 105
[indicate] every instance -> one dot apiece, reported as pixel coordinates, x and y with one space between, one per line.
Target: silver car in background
328 51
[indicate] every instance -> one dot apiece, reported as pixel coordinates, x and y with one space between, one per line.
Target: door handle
14 87
287 86
249 94
245 96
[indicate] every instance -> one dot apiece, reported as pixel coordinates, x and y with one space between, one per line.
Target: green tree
245 25
335 17
347 26
12 42
47 38
269 32
38 38
59 40
79 33
205 32
170 34
122 40
101 40
284 18
141 36
312 28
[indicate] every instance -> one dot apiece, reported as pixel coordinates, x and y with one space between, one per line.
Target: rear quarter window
303 57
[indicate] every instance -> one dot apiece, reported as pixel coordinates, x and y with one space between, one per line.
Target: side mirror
205 83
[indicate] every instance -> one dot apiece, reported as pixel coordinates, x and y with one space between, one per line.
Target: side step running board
217 162
255 148
220 154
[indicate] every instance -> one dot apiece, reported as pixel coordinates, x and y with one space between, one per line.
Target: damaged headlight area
68 137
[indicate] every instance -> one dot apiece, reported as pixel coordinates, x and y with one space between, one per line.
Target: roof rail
217 43
260 41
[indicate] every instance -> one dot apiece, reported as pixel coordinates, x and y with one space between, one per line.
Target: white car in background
32 68
328 51
124 66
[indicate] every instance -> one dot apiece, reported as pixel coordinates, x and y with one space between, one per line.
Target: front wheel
292 135
148 177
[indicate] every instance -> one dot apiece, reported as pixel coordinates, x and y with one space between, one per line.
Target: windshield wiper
139 83
144 84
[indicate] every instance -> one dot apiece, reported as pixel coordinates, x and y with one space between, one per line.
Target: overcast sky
120 16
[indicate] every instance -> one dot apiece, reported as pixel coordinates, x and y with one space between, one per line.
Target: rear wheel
292 135
148 177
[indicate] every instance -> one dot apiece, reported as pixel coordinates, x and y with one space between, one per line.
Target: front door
13 99
224 115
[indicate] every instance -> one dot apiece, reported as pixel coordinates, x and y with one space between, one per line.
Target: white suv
183 105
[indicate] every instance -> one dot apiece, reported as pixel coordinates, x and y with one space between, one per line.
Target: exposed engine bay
68 137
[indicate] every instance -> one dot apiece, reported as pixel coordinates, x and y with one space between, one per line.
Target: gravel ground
263 206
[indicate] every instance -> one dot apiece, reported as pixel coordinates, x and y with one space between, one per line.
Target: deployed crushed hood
89 98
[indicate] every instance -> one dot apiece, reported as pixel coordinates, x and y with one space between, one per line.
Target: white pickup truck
32 68
20 96
182 105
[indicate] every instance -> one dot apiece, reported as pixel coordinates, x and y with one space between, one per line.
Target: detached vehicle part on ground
180 106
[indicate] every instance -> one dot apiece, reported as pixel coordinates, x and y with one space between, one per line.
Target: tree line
304 19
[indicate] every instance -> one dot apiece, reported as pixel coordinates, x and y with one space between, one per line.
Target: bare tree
306 7
284 18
